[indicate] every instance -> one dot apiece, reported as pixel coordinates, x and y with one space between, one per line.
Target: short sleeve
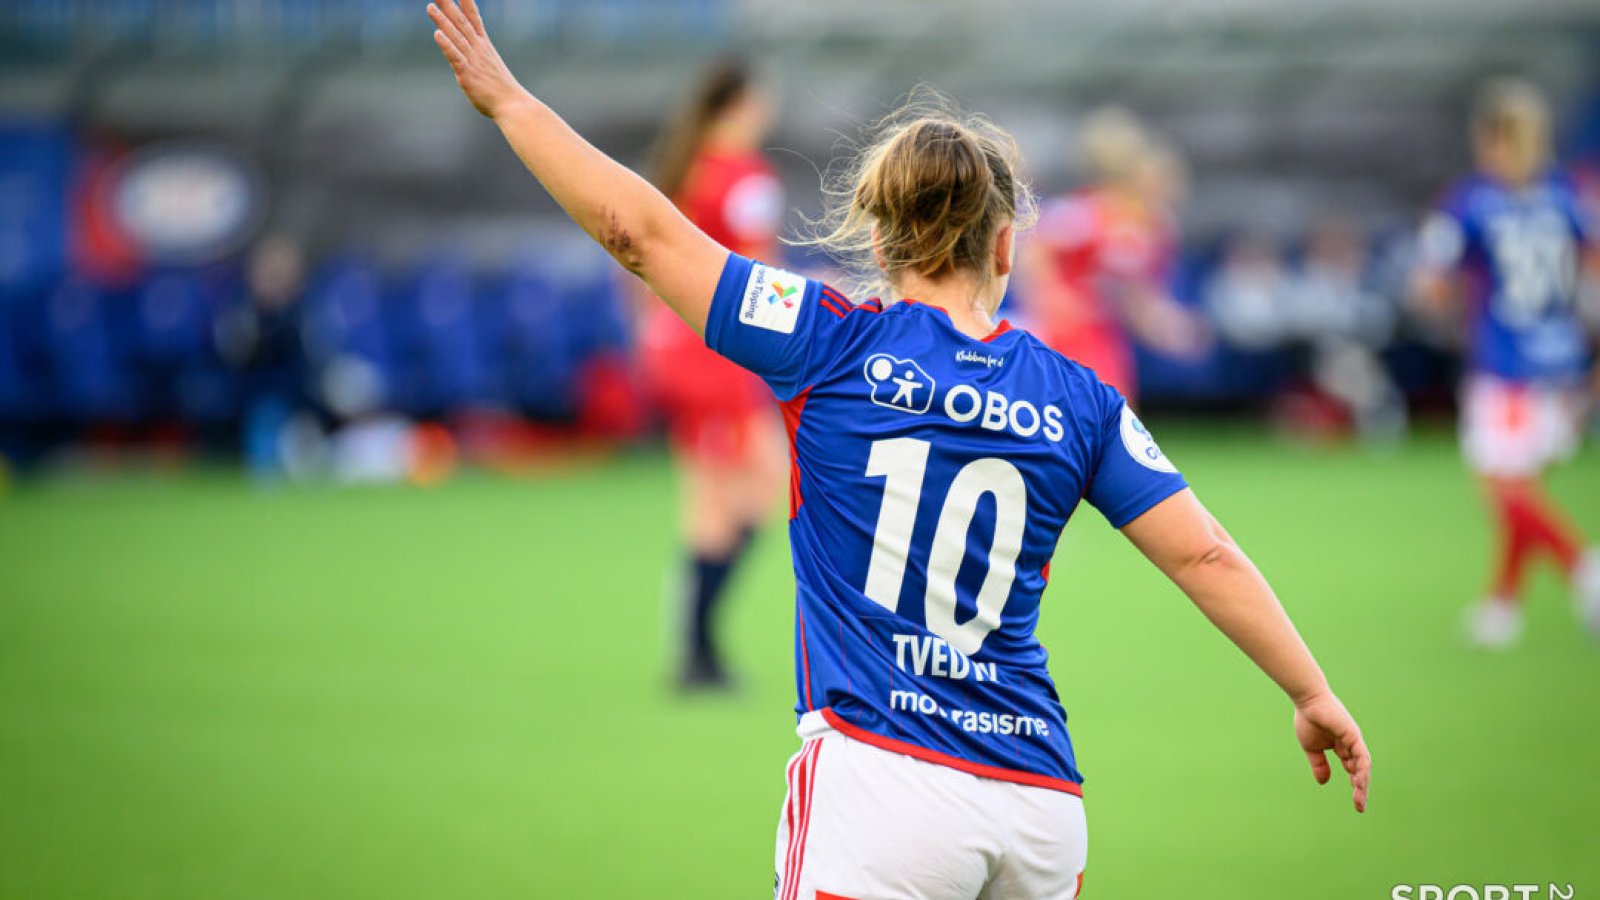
777 324
1446 234
1132 474
1442 241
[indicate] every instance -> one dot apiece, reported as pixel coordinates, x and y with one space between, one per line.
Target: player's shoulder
1466 196
1072 381
1563 187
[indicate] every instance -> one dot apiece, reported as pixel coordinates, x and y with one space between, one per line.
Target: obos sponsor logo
904 385
899 383
771 299
994 411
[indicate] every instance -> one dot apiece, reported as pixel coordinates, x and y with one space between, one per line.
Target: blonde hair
928 191
1113 143
1513 110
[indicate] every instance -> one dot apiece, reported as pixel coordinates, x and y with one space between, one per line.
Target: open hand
1322 724
482 74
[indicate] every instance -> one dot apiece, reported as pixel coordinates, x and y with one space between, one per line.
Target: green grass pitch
211 691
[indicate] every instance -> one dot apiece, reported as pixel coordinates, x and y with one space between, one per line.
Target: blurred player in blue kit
1506 245
936 456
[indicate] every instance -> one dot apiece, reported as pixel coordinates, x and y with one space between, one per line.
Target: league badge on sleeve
771 299
1141 445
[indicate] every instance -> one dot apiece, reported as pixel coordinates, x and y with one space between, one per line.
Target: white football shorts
1512 430
864 823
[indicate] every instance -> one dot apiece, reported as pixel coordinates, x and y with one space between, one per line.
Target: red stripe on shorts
808 779
796 814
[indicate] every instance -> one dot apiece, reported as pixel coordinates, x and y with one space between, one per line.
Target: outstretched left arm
1187 543
632 220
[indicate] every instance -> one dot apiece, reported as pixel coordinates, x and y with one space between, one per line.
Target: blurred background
263 242
226 224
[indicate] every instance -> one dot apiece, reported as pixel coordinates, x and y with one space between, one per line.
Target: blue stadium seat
344 322
447 364
24 383
539 343
91 376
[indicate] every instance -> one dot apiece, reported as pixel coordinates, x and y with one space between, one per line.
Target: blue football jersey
1519 250
932 476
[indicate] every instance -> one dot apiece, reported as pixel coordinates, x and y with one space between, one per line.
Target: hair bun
927 195
946 180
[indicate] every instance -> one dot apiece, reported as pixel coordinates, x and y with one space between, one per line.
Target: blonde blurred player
1503 251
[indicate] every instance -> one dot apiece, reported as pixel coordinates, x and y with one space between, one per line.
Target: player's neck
729 138
963 297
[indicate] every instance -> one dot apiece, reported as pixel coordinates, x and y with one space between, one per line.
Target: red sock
1516 545
1546 528
1528 524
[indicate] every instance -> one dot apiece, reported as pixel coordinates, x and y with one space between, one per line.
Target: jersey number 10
902 463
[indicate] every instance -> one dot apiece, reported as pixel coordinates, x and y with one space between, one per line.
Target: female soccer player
724 426
1514 232
937 455
1098 264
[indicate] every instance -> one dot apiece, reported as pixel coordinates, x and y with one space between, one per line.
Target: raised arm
1190 546
639 227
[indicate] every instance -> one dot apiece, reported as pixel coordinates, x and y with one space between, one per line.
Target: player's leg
1510 434
1498 442
1564 415
715 534
1047 843
867 824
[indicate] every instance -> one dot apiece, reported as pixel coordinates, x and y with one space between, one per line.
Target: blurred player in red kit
1100 259
725 430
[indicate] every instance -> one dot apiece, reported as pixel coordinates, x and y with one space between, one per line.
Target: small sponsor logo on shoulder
1141 445
972 356
771 299
899 383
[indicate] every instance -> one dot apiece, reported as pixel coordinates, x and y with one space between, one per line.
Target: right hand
479 70
1322 724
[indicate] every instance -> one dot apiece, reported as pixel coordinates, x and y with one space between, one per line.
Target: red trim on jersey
831 305
1002 328
1016 776
1076 891
1045 571
874 305
805 657
837 297
792 408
